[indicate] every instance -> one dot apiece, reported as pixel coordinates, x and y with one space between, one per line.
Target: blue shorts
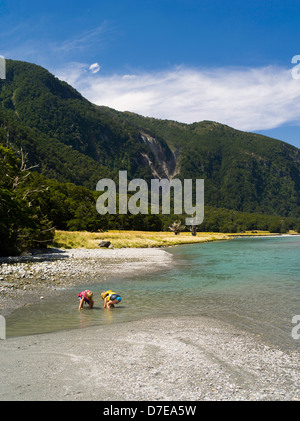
115 297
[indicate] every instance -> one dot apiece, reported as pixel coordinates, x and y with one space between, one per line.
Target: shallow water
253 283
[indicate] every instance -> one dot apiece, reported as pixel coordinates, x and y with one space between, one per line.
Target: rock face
166 159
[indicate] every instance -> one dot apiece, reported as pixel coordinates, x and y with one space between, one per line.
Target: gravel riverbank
159 359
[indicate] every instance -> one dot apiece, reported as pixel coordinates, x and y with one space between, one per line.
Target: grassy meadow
119 239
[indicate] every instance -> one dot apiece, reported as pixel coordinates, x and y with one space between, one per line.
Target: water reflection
85 317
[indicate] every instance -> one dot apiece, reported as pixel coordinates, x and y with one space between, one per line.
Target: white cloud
244 98
95 67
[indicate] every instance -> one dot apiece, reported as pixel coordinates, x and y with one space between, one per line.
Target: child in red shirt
86 297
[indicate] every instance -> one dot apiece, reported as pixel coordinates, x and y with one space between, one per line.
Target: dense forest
55 145
33 206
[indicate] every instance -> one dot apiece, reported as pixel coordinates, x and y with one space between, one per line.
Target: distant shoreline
262 235
133 239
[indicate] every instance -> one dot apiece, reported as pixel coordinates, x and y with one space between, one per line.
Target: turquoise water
253 283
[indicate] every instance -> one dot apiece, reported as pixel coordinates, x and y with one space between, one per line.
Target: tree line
32 207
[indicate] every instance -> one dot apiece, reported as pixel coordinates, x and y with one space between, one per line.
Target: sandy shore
25 279
156 359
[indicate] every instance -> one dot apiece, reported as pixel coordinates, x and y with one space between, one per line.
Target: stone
104 244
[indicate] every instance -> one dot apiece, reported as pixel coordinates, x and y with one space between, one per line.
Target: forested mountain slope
73 140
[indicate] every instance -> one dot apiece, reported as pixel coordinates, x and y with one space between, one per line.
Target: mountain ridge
76 141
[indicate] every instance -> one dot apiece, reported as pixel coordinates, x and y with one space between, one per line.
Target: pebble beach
157 359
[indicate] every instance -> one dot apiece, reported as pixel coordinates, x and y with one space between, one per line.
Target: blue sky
227 61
